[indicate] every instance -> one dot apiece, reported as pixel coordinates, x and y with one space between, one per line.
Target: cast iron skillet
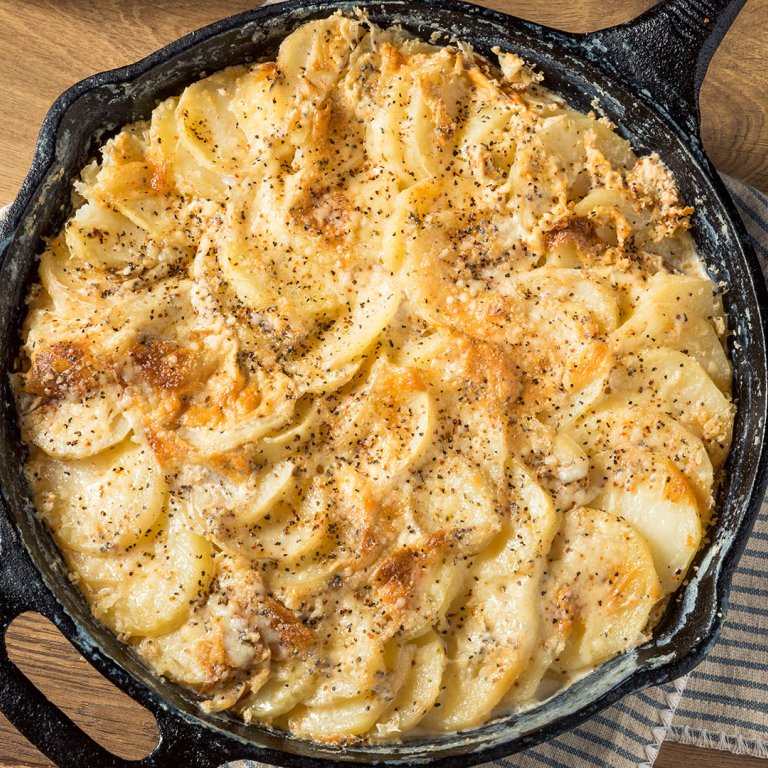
646 75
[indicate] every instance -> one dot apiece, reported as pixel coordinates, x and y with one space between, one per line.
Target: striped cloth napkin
723 703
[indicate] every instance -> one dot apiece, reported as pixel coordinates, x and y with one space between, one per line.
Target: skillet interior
86 115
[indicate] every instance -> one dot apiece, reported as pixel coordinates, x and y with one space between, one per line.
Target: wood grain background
46 45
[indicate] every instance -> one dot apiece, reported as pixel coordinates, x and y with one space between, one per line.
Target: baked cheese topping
374 388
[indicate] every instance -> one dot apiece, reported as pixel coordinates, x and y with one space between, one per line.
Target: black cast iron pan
646 75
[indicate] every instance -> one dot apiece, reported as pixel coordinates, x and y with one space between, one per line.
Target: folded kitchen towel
723 703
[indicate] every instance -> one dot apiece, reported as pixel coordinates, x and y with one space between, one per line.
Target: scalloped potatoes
374 389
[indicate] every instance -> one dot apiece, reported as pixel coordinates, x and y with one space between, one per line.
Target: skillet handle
663 55
58 737
26 707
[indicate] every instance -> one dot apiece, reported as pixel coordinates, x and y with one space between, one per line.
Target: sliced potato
288 92
75 428
345 718
290 683
601 588
590 294
293 529
348 339
209 128
68 280
343 505
617 422
567 135
492 639
234 406
355 654
421 687
249 500
103 503
650 492
182 163
386 426
449 494
107 240
274 263
219 649
694 294
417 582
148 590
679 386
670 325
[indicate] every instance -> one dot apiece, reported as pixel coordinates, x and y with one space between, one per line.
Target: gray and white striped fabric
723 703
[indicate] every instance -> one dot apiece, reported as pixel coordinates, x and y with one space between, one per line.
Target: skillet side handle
663 55
27 709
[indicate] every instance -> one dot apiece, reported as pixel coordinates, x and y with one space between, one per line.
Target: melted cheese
374 388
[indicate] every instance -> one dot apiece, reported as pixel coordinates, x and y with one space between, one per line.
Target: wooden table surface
46 45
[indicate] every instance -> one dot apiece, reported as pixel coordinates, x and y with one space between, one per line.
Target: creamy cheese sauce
374 388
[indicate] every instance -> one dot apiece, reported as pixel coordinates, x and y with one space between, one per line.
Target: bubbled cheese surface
374 389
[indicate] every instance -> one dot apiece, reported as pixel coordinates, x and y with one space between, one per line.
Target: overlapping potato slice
247 499
346 700
618 422
417 582
420 688
676 384
103 503
75 429
423 99
454 250
71 282
473 384
219 649
238 403
449 494
338 353
107 240
494 635
69 403
489 294
209 127
650 492
347 718
484 137
573 287
290 682
288 528
346 516
691 292
363 711
287 92
148 589
185 163
258 256
601 588
613 214
148 178
386 425
670 325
